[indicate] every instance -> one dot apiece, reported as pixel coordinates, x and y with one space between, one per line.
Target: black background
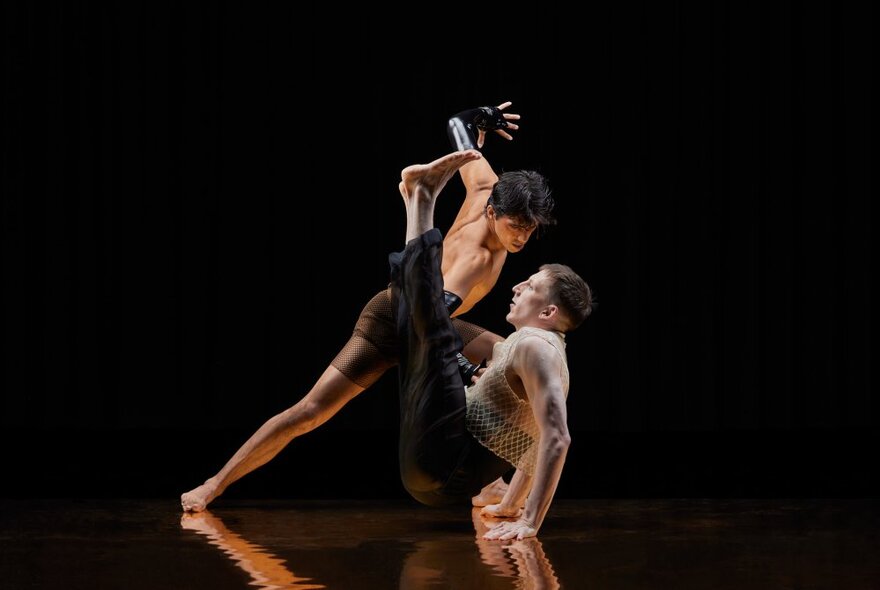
198 200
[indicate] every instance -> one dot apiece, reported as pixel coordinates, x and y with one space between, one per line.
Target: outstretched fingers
503 134
510 530
507 117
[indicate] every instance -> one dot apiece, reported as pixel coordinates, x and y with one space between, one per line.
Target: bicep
540 369
478 175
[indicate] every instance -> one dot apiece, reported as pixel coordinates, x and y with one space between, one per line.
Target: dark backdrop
197 201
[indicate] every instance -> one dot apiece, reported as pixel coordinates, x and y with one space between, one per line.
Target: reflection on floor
432 562
349 544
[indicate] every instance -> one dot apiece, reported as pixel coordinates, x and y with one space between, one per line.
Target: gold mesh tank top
497 417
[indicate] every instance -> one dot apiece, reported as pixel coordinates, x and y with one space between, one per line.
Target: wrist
529 517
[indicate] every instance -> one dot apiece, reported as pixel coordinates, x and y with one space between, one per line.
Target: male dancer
453 441
498 215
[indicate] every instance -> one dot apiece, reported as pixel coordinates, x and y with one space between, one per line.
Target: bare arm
539 366
511 504
518 489
478 177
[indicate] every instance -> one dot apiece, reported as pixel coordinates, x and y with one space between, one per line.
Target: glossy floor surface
589 544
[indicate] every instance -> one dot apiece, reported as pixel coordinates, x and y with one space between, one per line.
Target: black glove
462 127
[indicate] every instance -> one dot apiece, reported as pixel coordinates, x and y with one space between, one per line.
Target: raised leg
421 183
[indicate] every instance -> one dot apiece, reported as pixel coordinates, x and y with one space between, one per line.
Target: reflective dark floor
604 544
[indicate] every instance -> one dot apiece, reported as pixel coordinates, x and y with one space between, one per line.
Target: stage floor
585 544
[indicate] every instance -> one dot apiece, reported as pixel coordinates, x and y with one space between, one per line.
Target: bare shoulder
472 211
465 245
464 267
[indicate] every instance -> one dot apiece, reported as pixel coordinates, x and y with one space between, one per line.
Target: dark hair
570 293
524 195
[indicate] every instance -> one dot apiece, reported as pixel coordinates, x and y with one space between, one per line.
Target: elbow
563 443
486 183
558 444
566 440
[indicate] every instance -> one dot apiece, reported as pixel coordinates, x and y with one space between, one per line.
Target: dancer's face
531 301
513 233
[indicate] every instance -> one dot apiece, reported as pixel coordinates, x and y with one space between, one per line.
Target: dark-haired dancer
498 215
453 441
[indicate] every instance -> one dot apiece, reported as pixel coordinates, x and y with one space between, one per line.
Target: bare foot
431 178
497 511
491 494
197 499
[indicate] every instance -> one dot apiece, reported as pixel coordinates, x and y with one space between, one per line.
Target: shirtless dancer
499 215
455 440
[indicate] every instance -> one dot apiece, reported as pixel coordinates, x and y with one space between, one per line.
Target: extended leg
332 391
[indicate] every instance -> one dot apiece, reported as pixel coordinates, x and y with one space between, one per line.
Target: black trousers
440 462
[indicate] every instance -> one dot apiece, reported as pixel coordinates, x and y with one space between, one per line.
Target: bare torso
471 263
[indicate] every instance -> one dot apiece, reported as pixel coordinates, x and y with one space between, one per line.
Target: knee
424 488
417 473
424 483
481 347
417 481
302 417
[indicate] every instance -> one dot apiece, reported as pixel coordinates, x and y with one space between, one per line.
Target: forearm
462 129
551 459
478 176
517 490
